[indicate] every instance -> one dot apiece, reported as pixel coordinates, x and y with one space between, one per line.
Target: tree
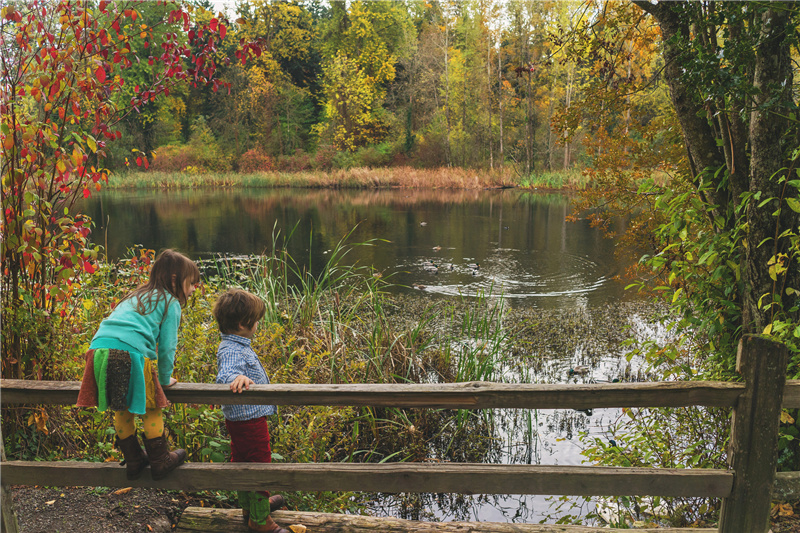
362 46
721 216
62 66
271 102
729 70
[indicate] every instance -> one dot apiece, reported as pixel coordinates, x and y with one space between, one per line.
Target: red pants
250 442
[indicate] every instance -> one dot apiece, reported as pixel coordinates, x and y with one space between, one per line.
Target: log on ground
209 520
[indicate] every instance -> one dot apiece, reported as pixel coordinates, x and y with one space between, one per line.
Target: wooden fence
746 488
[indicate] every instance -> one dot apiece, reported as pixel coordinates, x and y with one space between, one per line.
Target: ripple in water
514 274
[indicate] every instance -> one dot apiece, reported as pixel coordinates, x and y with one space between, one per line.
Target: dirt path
99 510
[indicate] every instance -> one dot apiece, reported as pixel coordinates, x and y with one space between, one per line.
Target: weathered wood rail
746 491
209 520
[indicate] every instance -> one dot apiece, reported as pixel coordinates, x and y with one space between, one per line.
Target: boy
238 312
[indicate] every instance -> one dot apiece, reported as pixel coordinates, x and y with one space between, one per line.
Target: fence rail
465 395
756 404
457 478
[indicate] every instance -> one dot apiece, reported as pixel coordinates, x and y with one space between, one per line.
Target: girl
131 358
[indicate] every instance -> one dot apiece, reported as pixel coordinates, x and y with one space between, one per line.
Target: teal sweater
154 335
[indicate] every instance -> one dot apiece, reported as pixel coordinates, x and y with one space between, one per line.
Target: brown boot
275 502
162 461
135 458
269 527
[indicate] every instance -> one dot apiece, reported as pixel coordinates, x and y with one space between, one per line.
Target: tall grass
573 179
354 178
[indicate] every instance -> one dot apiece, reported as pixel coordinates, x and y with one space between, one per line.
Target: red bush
294 163
254 160
323 159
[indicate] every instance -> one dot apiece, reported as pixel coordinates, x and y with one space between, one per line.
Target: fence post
8 522
753 449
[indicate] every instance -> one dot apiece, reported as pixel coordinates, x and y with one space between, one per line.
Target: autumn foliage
64 67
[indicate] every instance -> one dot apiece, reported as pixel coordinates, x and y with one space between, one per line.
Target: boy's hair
169 271
236 308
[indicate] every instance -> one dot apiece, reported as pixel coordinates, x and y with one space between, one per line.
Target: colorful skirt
121 381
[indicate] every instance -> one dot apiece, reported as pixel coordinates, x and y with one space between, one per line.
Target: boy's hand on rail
241 382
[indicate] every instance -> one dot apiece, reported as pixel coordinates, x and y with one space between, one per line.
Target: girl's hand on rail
172 381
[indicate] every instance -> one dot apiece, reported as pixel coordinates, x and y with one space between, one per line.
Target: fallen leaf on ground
126 490
782 509
298 528
51 502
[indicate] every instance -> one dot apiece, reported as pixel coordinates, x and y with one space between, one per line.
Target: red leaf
87 266
222 31
87 193
213 24
100 74
139 160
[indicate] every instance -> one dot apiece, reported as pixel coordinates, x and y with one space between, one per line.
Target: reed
573 179
354 178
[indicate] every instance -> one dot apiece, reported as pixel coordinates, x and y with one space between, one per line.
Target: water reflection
518 243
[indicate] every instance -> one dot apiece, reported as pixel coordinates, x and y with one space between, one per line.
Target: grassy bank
355 178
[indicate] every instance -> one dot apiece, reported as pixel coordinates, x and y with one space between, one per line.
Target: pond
519 243
501 242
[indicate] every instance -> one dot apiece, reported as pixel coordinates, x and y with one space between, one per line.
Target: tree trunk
447 150
489 94
500 100
767 126
567 104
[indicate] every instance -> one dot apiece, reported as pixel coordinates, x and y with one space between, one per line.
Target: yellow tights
152 423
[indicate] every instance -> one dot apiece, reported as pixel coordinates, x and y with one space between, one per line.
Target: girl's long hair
167 276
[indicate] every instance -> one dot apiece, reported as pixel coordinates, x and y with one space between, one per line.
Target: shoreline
357 178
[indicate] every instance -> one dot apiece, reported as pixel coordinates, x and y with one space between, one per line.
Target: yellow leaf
768 329
61 166
39 420
88 304
783 509
298 528
126 490
51 502
786 418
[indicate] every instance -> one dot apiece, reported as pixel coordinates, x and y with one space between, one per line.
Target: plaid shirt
235 357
